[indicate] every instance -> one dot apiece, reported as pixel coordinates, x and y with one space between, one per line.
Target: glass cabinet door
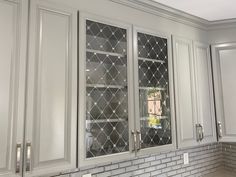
153 89
107 130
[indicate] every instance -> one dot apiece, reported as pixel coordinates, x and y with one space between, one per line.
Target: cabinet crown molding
155 8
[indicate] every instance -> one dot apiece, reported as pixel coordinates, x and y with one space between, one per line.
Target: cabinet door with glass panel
105 102
153 92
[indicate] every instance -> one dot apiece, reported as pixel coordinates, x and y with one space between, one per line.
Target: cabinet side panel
228 73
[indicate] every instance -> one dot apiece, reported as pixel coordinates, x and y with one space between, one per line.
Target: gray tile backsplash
202 160
229 156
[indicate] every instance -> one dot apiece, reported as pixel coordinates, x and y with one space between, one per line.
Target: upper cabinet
102 90
186 115
51 112
194 95
105 90
155 120
204 91
38 124
125 102
224 64
13 35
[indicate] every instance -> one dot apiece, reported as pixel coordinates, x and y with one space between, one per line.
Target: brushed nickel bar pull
202 133
198 132
28 157
18 158
135 141
139 140
219 130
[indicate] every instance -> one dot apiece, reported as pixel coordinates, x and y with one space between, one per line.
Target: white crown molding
222 24
155 8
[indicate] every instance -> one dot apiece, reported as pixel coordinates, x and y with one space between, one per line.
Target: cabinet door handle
18 158
198 132
202 133
28 157
220 130
134 140
139 140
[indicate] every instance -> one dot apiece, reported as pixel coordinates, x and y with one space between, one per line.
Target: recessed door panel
228 64
12 84
224 63
185 92
204 92
52 95
13 22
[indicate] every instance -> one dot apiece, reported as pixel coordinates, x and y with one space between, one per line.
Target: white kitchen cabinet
204 92
45 135
193 91
224 64
13 35
105 84
186 112
125 107
51 112
154 108
123 113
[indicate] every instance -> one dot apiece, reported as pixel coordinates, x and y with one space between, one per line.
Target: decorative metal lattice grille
154 104
106 89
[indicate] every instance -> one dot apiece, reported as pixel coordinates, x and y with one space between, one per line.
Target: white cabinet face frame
162 36
51 113
13 47
224 63
204 91
83 161
186 113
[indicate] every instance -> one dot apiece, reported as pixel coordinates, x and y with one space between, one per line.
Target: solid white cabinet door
51 120
224 72
13 27
204 91
184 92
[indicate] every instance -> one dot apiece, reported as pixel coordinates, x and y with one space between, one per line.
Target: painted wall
222 35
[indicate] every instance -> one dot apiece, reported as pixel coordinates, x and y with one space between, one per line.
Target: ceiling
211 10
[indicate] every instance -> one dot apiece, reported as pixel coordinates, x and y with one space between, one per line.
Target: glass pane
106 89
154 102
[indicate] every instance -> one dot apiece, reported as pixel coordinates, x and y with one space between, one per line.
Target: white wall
119 12
222 35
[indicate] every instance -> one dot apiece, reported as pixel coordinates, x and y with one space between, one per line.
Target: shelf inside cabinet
105 120
159 117
105 53
150 88
104 86
151 60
